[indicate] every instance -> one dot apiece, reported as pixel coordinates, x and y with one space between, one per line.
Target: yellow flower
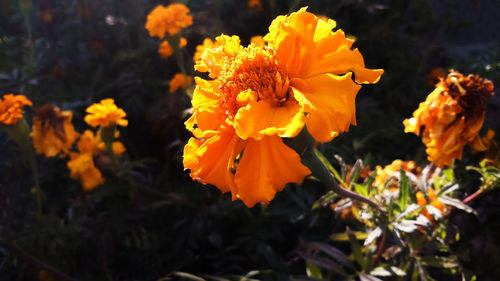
11 108
165 50
259 95
207 44
162 20
82 164
53 131
179 81
105 114
452 115
258 41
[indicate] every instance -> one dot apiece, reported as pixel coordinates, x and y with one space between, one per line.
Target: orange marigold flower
11 108
165 50
207 44
179 81
259 95
421 201
258 41
82 164
53 131
452 115
105 114
162 20
255 4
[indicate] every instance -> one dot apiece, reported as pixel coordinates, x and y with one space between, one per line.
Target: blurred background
150 219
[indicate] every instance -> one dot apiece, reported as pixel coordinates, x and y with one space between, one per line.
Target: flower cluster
261 94
105 114
53 132
162 20
452 115
11 108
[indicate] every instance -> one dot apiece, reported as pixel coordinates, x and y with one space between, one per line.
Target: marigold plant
162 20
200 49
452 116
259 95
105 114
11 108
82 163
53 132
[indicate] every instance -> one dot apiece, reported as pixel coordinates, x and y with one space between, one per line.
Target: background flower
11 108
105 114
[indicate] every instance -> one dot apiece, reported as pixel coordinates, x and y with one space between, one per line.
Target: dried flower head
105 114
452 116
258 95
53 132
162 20
11 108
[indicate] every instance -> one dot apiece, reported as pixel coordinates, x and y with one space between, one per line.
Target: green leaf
457 204
313 271
327 163
333 252
356 247
355 171
374 234
440 262
388 271
361 189
325 200
343 237
404 190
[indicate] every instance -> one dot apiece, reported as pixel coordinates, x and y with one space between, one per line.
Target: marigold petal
329 102
211 161
265 168
262 118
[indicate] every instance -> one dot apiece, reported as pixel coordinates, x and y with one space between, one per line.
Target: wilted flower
11 108
393 171
162 20
105 114
452 115
82 165
165 50
179 81
260 95
53 131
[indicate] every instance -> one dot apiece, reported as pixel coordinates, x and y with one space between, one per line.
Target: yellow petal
329 102
266 167
262 118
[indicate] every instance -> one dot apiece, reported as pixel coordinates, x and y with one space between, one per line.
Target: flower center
253 76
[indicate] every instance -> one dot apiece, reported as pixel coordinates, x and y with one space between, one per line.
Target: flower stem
473 195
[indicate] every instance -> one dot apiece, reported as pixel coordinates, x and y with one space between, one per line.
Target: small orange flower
255 4
452 115
82 164
165 50
421 201
179 81
53 131
162 20
258 95
11 108
105 114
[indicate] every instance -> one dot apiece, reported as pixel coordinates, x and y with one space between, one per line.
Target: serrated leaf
325 199
388 271
405 226
457 204
404 190
374 234
355 171
333 252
